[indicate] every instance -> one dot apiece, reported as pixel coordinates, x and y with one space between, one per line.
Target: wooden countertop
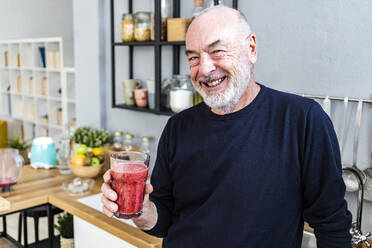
112 225
37 187
34 188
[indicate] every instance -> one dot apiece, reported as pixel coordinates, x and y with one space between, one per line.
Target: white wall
315 47
22 19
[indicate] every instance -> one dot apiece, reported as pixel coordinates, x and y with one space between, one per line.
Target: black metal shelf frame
157 44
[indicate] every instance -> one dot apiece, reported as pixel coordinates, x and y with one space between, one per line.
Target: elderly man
250 164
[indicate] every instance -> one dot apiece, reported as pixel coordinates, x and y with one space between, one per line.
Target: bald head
231 17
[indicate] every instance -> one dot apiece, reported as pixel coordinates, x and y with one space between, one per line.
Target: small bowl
86 171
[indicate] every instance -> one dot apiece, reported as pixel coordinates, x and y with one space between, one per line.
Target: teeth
215 82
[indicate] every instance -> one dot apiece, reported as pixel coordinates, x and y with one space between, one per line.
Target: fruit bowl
86 171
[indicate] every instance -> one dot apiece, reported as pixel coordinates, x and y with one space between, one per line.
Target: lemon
97 151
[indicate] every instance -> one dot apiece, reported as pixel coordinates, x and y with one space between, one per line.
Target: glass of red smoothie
129 173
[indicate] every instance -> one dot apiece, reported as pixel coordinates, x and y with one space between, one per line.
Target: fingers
109 205
148 189
107 212
108 192
107 176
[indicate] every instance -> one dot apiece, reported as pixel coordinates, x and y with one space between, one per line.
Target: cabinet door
88 235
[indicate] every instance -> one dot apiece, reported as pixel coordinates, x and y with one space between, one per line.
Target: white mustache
210 78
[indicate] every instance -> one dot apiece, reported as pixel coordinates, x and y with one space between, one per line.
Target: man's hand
145 221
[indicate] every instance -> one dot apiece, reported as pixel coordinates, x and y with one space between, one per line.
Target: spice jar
118 140
128 142
142 30
127 28
145 145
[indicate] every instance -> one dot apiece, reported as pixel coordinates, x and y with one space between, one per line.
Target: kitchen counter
38 187
116 227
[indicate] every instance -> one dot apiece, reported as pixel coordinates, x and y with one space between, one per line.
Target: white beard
225 101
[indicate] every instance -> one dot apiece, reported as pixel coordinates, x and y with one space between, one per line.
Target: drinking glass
129 172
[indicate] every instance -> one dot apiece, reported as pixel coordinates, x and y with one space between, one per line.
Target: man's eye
217 52
193 58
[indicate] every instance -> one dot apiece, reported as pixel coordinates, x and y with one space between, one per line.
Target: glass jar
127 28
166 86
118 140
128 142
145 145
166 8
142 30
181 94
198 7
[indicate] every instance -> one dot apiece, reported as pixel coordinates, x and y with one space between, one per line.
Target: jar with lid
128 142
127 28
181 94
166 86
145 144
118 140
142 29
146 147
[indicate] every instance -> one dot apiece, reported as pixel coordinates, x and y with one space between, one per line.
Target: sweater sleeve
162 184
325 208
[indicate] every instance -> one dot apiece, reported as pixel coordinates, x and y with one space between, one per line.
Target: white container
180 99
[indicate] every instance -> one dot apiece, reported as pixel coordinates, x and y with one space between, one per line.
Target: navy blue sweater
250 178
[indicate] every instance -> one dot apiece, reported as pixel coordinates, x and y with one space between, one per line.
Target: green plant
91 137
65 225
19 144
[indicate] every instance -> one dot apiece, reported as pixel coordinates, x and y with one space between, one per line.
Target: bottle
210 3
166 8
64 152
198 7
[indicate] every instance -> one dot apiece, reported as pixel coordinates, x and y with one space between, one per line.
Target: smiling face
219 51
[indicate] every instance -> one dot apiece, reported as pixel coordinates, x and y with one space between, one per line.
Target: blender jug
11 164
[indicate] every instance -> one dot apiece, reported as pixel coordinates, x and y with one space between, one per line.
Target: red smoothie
129 182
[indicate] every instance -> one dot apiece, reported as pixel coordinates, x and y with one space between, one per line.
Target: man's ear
252 48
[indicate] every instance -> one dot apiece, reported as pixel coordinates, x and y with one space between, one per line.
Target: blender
11 164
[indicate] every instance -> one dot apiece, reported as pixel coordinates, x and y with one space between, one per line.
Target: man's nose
206 66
